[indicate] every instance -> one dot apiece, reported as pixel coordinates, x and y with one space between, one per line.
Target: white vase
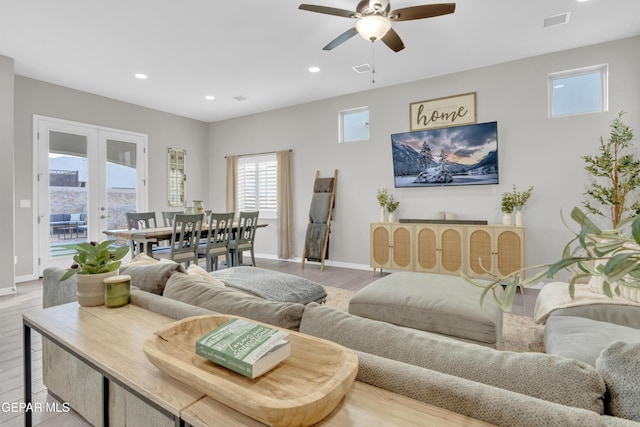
91 288
518 218
392 217
506 219
383 216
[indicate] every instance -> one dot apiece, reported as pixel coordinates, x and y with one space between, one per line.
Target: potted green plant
392 205
93 262
383 198
507 207
514 200
615 174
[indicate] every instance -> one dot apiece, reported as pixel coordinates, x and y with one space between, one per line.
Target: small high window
354 125
578 91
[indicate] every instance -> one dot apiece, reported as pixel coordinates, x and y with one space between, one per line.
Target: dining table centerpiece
94 262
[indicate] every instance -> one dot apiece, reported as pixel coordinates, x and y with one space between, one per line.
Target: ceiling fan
375 18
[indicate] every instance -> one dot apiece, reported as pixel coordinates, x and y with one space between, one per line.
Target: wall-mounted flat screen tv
460 155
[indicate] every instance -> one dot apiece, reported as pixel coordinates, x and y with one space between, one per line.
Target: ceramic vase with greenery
383 198
392 206
514 201
93 262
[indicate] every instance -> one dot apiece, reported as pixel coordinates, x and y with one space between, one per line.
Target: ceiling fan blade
341 39
420 12
328 10
392 39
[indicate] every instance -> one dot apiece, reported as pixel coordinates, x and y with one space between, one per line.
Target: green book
248 348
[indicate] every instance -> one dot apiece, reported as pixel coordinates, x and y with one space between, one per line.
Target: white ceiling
262 49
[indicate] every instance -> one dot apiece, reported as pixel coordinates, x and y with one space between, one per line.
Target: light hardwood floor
29 297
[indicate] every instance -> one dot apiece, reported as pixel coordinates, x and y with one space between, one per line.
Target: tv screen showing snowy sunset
461 155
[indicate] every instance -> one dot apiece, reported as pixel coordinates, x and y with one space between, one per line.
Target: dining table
146 237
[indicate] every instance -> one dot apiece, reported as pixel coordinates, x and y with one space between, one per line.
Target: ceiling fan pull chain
373 63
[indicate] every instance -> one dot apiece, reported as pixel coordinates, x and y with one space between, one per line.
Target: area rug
519 333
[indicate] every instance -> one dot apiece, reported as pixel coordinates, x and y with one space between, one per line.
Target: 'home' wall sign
443 112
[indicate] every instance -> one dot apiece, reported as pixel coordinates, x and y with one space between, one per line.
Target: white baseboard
327 262
26 278
7 291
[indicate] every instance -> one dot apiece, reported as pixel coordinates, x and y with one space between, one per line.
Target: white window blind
257 184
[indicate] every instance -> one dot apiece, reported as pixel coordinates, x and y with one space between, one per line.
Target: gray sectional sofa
499 387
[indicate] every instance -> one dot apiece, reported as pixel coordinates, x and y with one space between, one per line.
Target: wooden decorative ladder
316 245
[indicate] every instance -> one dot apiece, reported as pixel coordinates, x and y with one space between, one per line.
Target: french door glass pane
121 182
68 187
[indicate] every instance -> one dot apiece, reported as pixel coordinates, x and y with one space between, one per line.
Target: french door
89 177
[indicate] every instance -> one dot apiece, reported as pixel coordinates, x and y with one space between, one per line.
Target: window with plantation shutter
257 184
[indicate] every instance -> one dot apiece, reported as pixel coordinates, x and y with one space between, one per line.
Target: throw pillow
75 218
143 259
193 290
198 271
151 277
619 365
596 284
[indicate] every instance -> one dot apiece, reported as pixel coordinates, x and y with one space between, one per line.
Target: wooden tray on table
300 391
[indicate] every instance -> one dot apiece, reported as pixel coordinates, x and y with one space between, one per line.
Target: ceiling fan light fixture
373 27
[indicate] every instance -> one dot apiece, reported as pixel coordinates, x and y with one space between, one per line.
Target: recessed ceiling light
314 69
141 76
209 97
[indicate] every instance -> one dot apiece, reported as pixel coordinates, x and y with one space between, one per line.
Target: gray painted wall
163 129
533 149
6 175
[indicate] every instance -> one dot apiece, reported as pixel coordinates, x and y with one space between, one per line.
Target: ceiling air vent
364 68
560 19
240 98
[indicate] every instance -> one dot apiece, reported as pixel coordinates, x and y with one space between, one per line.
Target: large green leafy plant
95 258
615 176
613 255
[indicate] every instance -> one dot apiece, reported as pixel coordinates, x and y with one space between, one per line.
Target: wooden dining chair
217 240
244 238
167 218
137 221
184 240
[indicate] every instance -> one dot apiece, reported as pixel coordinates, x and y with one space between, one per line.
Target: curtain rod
259 154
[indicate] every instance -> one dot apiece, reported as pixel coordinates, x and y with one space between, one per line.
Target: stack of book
248 348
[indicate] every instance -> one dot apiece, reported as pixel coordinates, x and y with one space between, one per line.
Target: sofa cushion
165 306
437 303
479 401
619 365
196 291
151 277
583 339
554 300
565 381
196 270
272 285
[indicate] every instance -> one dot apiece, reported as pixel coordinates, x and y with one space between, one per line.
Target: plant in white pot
93 262
515 201
383 199
507 207
392 205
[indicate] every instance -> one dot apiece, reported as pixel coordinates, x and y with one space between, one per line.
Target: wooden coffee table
110 341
